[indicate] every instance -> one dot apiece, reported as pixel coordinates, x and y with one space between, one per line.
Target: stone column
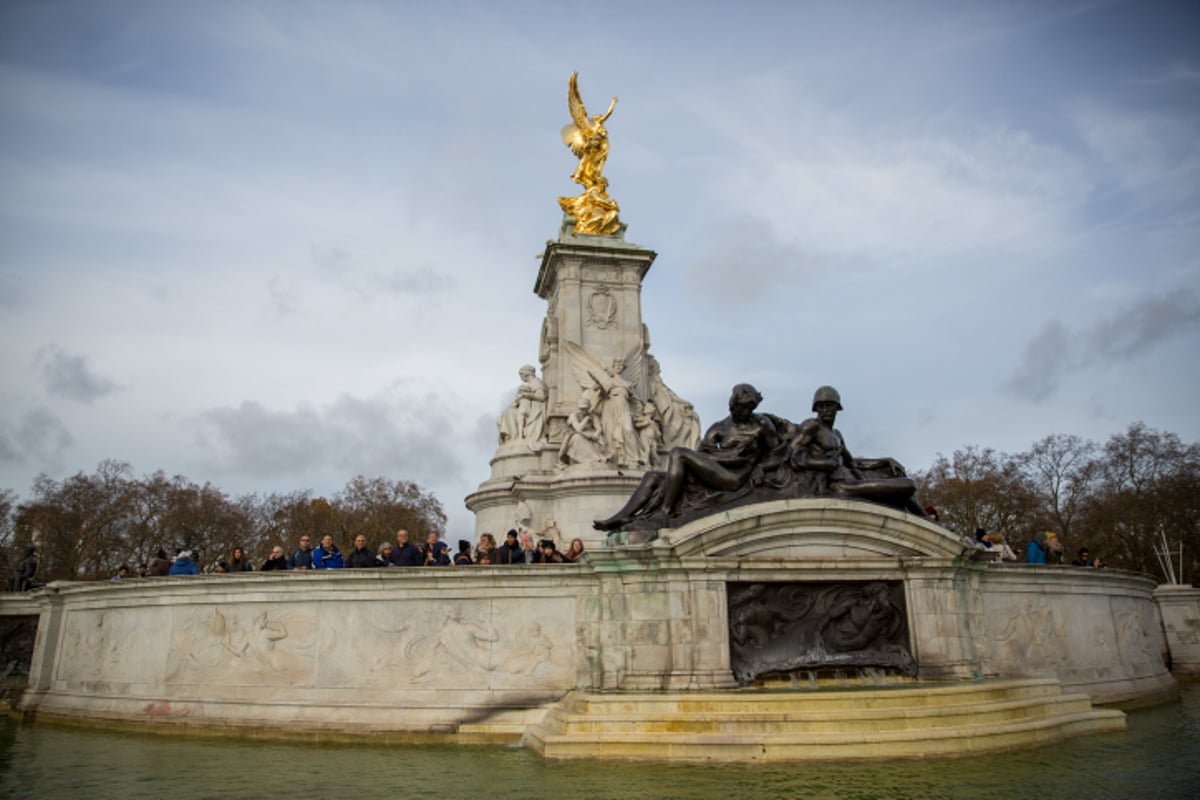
592 286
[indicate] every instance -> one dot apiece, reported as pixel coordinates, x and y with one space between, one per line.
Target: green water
1158 757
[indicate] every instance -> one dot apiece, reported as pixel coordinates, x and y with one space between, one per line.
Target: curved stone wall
484 649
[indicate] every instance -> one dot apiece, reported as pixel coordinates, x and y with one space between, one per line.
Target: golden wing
573 138
575 105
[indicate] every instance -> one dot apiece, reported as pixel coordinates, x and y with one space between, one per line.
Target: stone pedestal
1179 607
439 650
592 288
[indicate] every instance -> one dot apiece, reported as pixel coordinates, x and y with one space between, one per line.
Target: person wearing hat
818 448
547 554
983 539
184 565
1042 548
510 551
463 557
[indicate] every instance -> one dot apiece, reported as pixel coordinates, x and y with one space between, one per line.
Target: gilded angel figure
594 211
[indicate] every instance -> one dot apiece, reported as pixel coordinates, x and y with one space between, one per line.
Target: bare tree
1060 470
1148 485
977 488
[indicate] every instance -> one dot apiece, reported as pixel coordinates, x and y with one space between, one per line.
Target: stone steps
944 720
908 695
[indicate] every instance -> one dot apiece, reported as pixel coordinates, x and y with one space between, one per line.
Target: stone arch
813 528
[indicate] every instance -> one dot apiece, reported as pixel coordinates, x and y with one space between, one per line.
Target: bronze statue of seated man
817 448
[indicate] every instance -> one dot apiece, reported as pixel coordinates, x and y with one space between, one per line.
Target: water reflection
1158 757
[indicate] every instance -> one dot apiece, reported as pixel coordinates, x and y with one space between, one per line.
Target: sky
274 245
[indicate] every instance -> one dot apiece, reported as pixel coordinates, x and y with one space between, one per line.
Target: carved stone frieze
243 645
778 628
601 308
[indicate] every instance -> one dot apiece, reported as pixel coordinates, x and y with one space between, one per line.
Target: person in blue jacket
1044 543
184 565
327 556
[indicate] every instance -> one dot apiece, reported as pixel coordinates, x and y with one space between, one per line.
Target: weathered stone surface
1180 609
430 650
598 377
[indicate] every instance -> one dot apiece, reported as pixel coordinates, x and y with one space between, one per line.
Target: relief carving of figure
649 434
524 518
783 627
609 392
257 649
616 417
536 650
525 419
582 443
856 619
458 644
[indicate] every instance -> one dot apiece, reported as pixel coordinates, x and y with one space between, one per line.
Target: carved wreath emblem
602 308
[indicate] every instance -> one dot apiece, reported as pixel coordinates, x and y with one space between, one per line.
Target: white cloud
257 215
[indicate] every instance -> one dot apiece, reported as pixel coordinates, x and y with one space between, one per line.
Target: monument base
913 721
486 650
565 502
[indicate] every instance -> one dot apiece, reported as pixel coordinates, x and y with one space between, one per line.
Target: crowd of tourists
1043 548
517 548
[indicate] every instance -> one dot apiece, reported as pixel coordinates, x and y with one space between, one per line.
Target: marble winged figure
614 398
594 211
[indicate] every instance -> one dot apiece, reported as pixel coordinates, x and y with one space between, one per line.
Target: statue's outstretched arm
889 464
604 117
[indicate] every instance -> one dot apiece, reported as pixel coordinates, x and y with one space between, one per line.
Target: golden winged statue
594 211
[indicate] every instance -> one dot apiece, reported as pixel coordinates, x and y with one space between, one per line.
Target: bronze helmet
827 394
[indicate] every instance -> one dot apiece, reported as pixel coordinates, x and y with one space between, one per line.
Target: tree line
1116 499
88 525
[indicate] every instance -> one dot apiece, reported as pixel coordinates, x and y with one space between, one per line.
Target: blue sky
273 245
